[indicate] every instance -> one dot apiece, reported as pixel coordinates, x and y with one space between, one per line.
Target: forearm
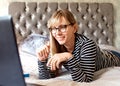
78 72
44 71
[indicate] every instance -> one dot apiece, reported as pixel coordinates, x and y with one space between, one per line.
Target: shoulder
83 39
84 43
80 36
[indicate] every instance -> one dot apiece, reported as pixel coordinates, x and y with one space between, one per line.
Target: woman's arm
82 65
43 55
45 72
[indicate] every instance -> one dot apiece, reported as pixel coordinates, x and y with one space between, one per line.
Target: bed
96 21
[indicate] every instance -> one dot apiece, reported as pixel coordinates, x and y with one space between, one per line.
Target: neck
70 45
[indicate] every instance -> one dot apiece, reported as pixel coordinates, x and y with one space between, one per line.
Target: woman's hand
42 53
55 60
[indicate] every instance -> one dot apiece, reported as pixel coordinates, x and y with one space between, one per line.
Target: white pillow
32 42
27 52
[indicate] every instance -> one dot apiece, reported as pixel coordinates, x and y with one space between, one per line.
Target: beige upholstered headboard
95 19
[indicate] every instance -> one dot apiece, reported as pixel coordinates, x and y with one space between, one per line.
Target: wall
4 11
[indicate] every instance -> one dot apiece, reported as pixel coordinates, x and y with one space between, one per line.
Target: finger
46 52
58 64
48 49
53 66
49 62
41 56
37 52
43 53
40 53
42 59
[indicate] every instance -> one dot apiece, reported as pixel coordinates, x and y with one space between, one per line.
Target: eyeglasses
61 28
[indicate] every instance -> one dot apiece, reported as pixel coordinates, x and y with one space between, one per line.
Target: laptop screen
11 73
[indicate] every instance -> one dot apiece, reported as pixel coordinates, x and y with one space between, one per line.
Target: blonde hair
68 16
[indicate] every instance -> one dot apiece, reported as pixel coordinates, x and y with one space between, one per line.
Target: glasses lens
63 29
54 30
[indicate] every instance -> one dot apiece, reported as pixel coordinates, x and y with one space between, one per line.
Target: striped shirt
87 58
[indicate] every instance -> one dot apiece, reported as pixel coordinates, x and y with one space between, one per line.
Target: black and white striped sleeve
82 65
44 71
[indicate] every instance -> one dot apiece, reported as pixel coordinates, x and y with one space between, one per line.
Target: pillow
27 51
108 47
32 42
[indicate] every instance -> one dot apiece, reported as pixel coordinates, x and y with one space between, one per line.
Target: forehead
59 21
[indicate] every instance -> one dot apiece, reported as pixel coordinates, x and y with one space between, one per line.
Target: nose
58 31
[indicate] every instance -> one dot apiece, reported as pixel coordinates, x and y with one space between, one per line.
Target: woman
78 54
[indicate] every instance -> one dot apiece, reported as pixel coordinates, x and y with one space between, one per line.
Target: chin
61 42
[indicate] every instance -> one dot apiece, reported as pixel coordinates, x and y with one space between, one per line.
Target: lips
60 38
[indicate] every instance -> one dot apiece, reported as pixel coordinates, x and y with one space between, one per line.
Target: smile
60 38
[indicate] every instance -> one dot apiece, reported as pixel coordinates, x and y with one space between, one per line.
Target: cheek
69 36
54 36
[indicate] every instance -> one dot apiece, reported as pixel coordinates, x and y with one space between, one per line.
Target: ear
75 26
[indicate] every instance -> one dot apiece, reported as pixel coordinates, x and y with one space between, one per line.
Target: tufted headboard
95 19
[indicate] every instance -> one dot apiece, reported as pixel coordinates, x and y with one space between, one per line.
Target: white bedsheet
105 77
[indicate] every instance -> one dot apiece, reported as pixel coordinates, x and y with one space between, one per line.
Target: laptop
11 73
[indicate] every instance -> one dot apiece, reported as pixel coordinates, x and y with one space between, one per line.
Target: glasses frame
61 28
